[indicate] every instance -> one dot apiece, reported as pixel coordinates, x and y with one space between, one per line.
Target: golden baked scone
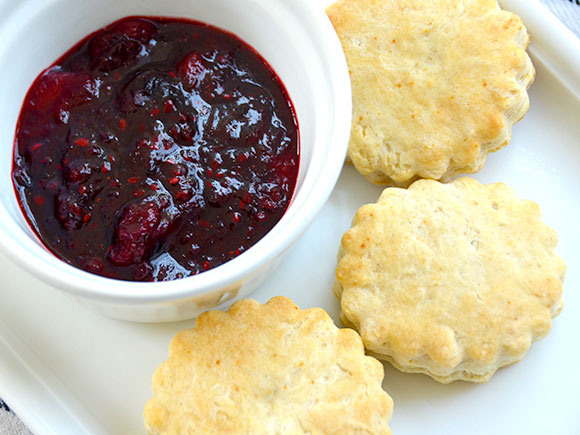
451 280
269 368
436 84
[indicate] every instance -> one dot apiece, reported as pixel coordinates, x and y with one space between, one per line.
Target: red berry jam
155 149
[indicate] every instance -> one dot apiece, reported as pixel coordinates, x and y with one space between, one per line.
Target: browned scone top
437 84
270 368
451 280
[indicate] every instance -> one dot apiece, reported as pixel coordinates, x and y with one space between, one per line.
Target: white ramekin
295 37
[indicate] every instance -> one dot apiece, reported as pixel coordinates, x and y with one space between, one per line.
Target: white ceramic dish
67 370
294 37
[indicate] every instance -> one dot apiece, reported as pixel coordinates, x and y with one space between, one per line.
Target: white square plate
65 369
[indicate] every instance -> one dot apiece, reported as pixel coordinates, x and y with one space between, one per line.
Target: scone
451 280
436 84
269 368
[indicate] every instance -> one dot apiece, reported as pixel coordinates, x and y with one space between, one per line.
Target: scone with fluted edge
451 280
436 84
270 368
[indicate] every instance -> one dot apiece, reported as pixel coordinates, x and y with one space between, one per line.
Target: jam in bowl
155 149
141 219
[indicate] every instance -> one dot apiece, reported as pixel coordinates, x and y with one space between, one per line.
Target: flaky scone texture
270 368
451 280
436 84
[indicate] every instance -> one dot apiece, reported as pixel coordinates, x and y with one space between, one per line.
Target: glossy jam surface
155 149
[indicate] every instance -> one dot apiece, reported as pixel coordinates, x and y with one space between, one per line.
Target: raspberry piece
58 92
140 226
69 213
78 165
121 45
192 69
